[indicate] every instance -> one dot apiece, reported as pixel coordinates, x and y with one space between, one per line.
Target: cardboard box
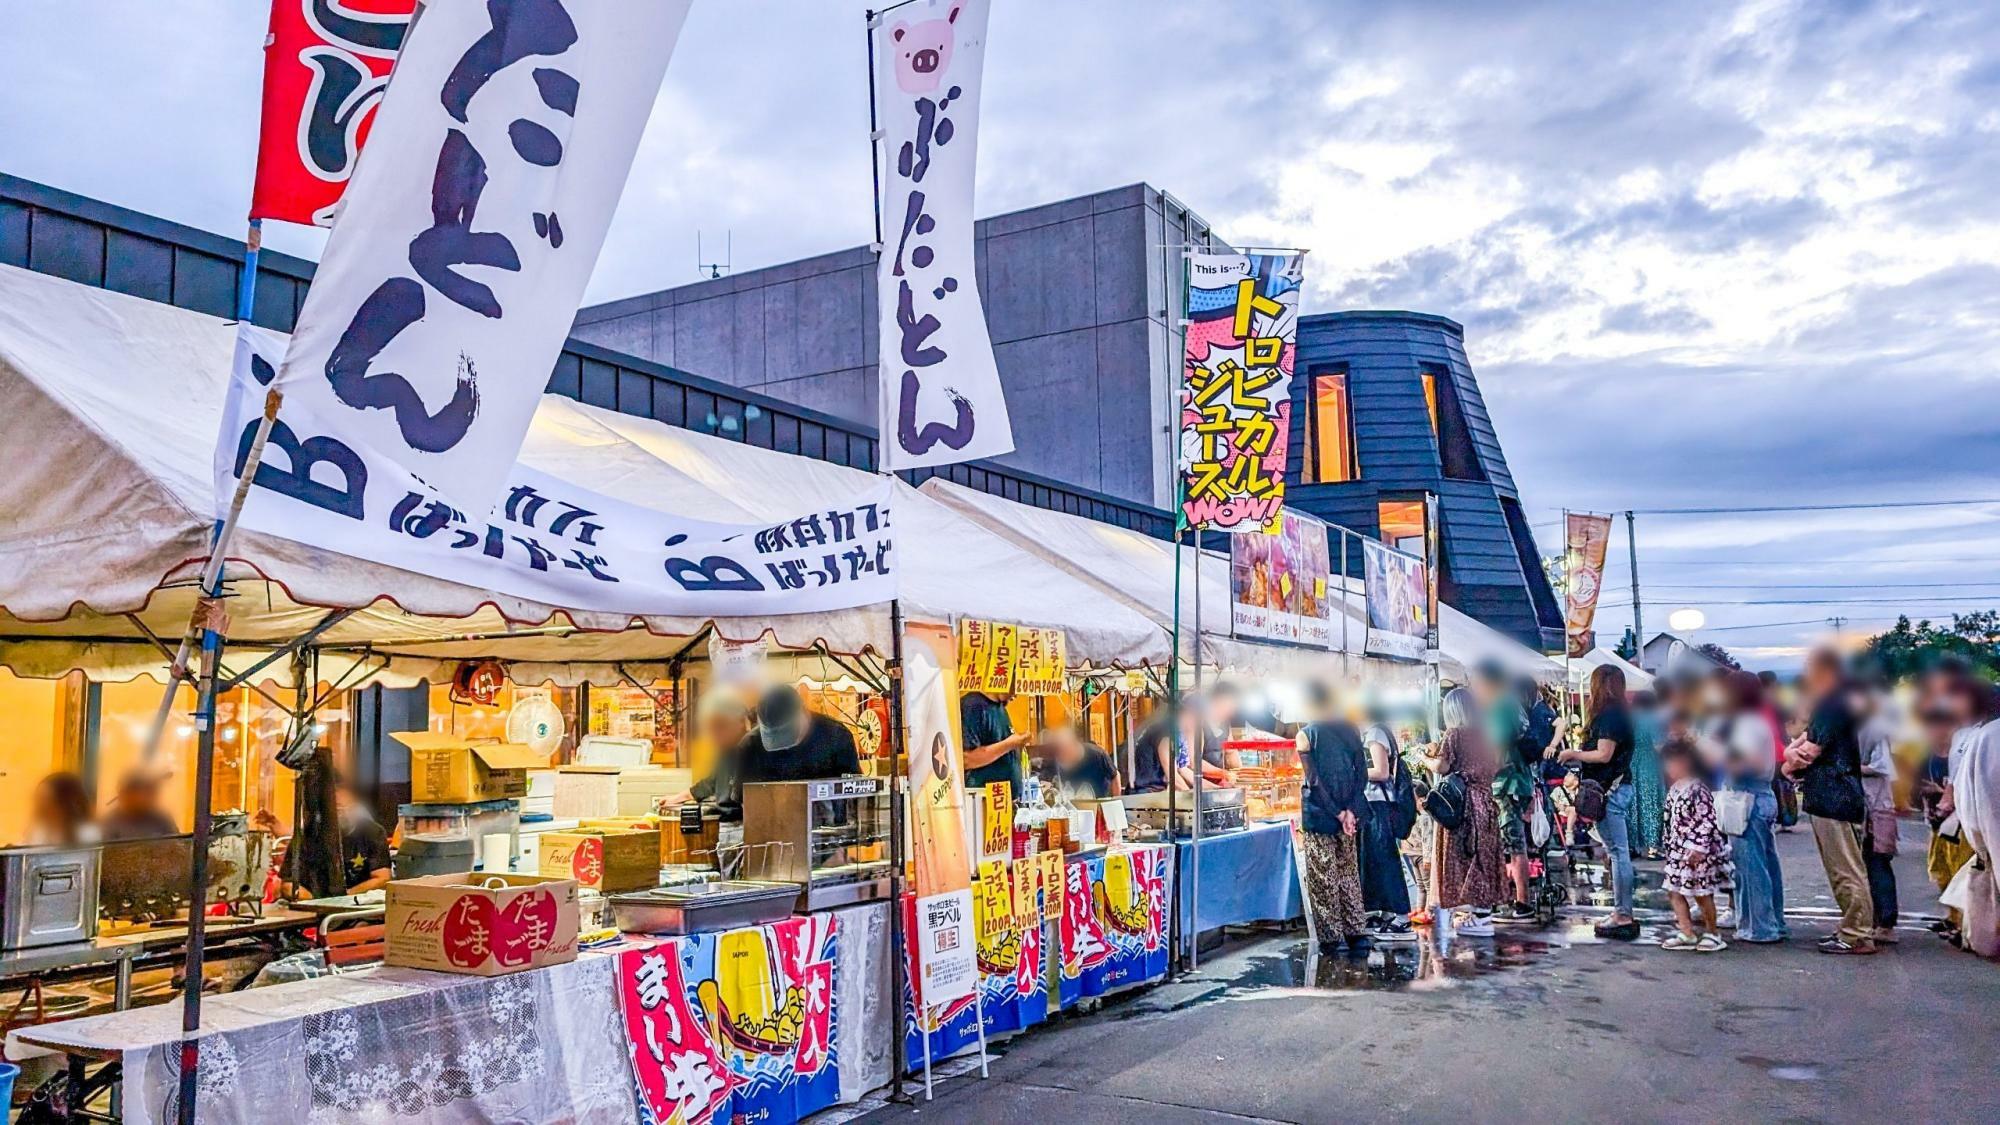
676 846
611 860
480 924
448 769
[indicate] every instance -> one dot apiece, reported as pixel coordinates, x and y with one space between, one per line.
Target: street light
1686 620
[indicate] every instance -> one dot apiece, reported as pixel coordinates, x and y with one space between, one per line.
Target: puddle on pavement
1389 967
1788 1072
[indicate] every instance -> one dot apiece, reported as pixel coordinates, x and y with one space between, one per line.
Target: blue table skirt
1247 876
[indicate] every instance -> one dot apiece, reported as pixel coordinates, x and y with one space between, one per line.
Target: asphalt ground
1538 1025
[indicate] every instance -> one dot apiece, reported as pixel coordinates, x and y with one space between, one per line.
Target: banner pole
1197 758
210 622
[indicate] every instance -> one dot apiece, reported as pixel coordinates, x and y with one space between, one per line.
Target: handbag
1447 801
1883 831
1732 811
1834 795
1788 800
1591 800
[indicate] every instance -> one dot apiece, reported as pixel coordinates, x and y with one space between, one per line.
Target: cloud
1707 254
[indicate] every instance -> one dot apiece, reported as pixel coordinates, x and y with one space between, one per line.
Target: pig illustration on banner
923 53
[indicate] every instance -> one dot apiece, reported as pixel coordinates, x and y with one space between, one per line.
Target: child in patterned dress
1697 852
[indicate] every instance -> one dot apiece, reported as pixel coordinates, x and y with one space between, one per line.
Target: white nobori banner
547 540
471 225
940 391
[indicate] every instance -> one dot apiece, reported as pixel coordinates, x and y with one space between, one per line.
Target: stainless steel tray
704 908
1212 796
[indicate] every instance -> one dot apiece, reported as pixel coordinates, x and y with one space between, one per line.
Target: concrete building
1077 298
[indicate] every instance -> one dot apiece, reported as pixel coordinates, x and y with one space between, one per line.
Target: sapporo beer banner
1236 388
1584 542
472 222
326 63
940 392
548 540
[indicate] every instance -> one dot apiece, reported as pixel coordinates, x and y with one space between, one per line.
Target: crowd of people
1701 772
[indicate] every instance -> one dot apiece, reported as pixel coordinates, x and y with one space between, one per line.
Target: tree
1718 654
1908 649
1628 645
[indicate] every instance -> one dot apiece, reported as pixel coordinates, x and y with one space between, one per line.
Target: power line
1823 585
1814 507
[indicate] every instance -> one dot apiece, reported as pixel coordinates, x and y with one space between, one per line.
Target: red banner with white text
326 63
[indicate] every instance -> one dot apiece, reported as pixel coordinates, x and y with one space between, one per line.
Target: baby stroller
1550 873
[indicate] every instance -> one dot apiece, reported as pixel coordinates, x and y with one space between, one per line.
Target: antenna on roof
714 269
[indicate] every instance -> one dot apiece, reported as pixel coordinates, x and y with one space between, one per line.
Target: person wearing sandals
1696 850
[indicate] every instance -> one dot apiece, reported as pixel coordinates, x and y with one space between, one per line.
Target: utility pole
1632 549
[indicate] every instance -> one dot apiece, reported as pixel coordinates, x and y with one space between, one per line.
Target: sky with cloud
1707 254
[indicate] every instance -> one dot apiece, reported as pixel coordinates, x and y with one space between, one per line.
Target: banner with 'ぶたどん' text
470 226
940 390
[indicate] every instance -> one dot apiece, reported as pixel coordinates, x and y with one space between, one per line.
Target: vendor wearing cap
791 743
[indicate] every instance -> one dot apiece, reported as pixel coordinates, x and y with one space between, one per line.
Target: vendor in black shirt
364 845
992 749
1084 771
1156 744
792 743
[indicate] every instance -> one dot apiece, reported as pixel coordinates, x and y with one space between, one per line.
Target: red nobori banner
326 63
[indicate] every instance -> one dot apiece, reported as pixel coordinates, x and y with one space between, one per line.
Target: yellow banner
1052 875
993 902
999 802
997 658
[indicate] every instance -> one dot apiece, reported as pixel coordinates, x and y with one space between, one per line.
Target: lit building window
1431 398
1331 457
1402 524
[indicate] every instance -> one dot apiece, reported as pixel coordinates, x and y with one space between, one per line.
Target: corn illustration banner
733 1026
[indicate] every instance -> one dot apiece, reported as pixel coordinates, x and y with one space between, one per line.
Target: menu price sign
1051 865
947 949
1044 661
995 904
999 820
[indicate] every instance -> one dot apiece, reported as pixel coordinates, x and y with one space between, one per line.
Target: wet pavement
1538 1024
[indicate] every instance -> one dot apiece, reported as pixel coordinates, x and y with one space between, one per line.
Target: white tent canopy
1580 668
111 407
1465 643
1139 570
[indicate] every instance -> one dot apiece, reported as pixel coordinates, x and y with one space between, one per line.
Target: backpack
1448 801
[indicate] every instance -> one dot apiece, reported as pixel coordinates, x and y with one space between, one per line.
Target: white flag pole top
940 393
469 230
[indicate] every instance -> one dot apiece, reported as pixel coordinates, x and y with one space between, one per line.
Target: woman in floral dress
1697 851
1466 862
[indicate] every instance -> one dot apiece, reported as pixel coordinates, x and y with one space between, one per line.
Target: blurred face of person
138 794
724 728
1822 675
1222 709
1065 747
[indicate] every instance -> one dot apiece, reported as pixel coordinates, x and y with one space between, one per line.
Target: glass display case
1272 777
830 836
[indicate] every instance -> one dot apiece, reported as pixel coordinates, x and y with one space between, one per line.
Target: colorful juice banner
1585 540
733 1026
1236 388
